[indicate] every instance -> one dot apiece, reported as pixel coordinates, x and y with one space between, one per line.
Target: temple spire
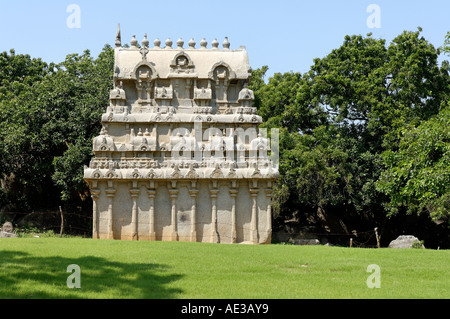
118 38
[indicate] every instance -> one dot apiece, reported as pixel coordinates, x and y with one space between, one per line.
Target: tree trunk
62 222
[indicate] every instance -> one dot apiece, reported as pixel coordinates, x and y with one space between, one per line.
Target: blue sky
286 35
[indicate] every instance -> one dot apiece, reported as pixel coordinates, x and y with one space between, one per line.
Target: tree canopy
49 115
364 131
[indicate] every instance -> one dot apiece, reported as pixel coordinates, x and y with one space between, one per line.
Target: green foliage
86 83
417 244
20 152
69 169
340 121
48 116
446 46
417 176
416 87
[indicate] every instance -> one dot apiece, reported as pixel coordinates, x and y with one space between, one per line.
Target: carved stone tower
180 156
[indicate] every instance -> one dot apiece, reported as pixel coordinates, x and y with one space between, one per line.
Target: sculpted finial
145 41
215 44
192 43
169 43
144 50
133 41
118 37
203 43
226 43
180 43
157 43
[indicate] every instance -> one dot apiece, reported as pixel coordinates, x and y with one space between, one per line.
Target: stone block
404 241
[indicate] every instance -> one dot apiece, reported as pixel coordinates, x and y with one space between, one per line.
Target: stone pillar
148 90
254 223
187 89
95 194
173 196
139 90
134 213
193 192
269 192
225 91
213 194
152 232
233 194
110 192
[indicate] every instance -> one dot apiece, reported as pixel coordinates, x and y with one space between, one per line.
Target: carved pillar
151 227
95 194
213 194
187 88
269 192
233 194
110 192
254 223
173 196
139 89
134 213
148 90
225 91
193 192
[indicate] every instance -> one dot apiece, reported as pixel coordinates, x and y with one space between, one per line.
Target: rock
404 241
305 241
7 227
7 230
6 234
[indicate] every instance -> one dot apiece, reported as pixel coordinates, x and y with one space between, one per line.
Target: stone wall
203 213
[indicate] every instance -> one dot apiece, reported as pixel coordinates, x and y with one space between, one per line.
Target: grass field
37 268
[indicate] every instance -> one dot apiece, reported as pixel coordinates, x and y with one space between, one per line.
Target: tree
328 158
50 115
19 154
337 120
417 175
91 81
446 46
415 87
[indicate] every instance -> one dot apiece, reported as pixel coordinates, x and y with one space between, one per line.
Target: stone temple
180 156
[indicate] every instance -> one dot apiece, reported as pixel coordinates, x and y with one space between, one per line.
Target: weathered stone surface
180 155
404 241
305 241
8 227
7 230
6 234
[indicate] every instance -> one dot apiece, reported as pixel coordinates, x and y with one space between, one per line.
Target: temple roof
202 60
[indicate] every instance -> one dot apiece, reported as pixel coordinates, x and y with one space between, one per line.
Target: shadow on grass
24 276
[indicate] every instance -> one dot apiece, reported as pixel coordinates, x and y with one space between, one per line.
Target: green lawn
37 268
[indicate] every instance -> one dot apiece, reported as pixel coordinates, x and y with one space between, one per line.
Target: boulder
7 230
7 227
5 234
404 241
